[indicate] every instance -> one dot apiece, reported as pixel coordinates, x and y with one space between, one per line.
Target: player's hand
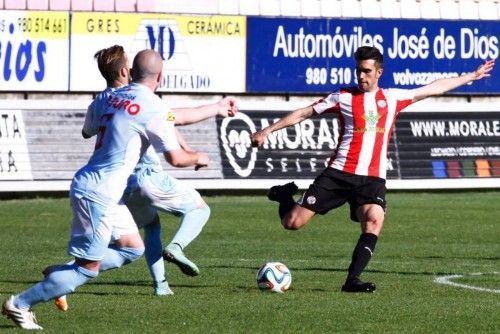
258 138
202 161
484 69
227 107
198 167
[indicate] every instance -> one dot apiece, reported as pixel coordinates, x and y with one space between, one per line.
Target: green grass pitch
426 235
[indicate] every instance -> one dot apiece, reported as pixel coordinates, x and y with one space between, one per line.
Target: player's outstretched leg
192 223
173 253
23 318
62 280
117 256
60 302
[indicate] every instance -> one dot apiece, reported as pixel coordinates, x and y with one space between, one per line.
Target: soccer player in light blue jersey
149 188
167 193
134 119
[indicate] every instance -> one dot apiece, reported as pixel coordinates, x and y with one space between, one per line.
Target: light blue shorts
151 190
95 225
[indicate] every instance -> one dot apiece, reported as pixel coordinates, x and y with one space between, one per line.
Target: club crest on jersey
381 103
170 116
311 200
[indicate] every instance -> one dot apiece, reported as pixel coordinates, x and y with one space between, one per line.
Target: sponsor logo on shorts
311 200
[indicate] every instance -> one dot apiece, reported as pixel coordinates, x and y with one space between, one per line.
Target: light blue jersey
129 120
95 111
148 162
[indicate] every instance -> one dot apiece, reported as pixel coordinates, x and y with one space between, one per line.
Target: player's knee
292 222
377 220
207 211
131 254
87 265
132 240
84 270
373 226
289 226
296 218
202 212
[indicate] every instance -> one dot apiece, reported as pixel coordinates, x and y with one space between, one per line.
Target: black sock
285 206
361 255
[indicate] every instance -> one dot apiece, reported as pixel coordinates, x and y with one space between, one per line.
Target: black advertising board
423 145
448 144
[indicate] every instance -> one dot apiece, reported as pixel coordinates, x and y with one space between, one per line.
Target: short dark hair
369 52
110 61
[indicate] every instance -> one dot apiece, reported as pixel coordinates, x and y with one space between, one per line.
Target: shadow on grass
10 327
339 270
89 285
235 267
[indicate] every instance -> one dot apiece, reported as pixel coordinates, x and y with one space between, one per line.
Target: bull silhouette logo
235 135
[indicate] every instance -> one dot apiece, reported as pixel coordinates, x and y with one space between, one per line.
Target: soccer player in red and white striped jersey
356 171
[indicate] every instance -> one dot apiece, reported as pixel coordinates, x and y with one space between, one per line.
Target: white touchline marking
447 281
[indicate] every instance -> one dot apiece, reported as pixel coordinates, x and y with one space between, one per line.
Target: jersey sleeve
403 97
161 134
90 125
330 104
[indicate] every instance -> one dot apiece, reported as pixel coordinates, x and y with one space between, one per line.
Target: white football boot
173 253
23 318
162 289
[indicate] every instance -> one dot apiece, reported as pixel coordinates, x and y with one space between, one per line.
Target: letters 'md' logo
235 133
157 37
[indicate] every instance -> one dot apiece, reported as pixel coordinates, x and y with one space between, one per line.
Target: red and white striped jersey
366 122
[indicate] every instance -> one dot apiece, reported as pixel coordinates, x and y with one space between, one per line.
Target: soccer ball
274 277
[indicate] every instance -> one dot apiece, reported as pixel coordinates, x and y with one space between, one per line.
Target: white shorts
94 226
154 190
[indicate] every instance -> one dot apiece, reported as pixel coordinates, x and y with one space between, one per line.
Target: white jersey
366 122
130 119
149 159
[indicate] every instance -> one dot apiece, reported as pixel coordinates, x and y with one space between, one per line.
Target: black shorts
332 188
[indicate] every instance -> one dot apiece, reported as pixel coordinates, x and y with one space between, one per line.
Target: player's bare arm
185 146
182 141
182 158
441 86
225 108
292 118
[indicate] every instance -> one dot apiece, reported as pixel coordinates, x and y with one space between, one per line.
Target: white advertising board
34 51
14 154
201 53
